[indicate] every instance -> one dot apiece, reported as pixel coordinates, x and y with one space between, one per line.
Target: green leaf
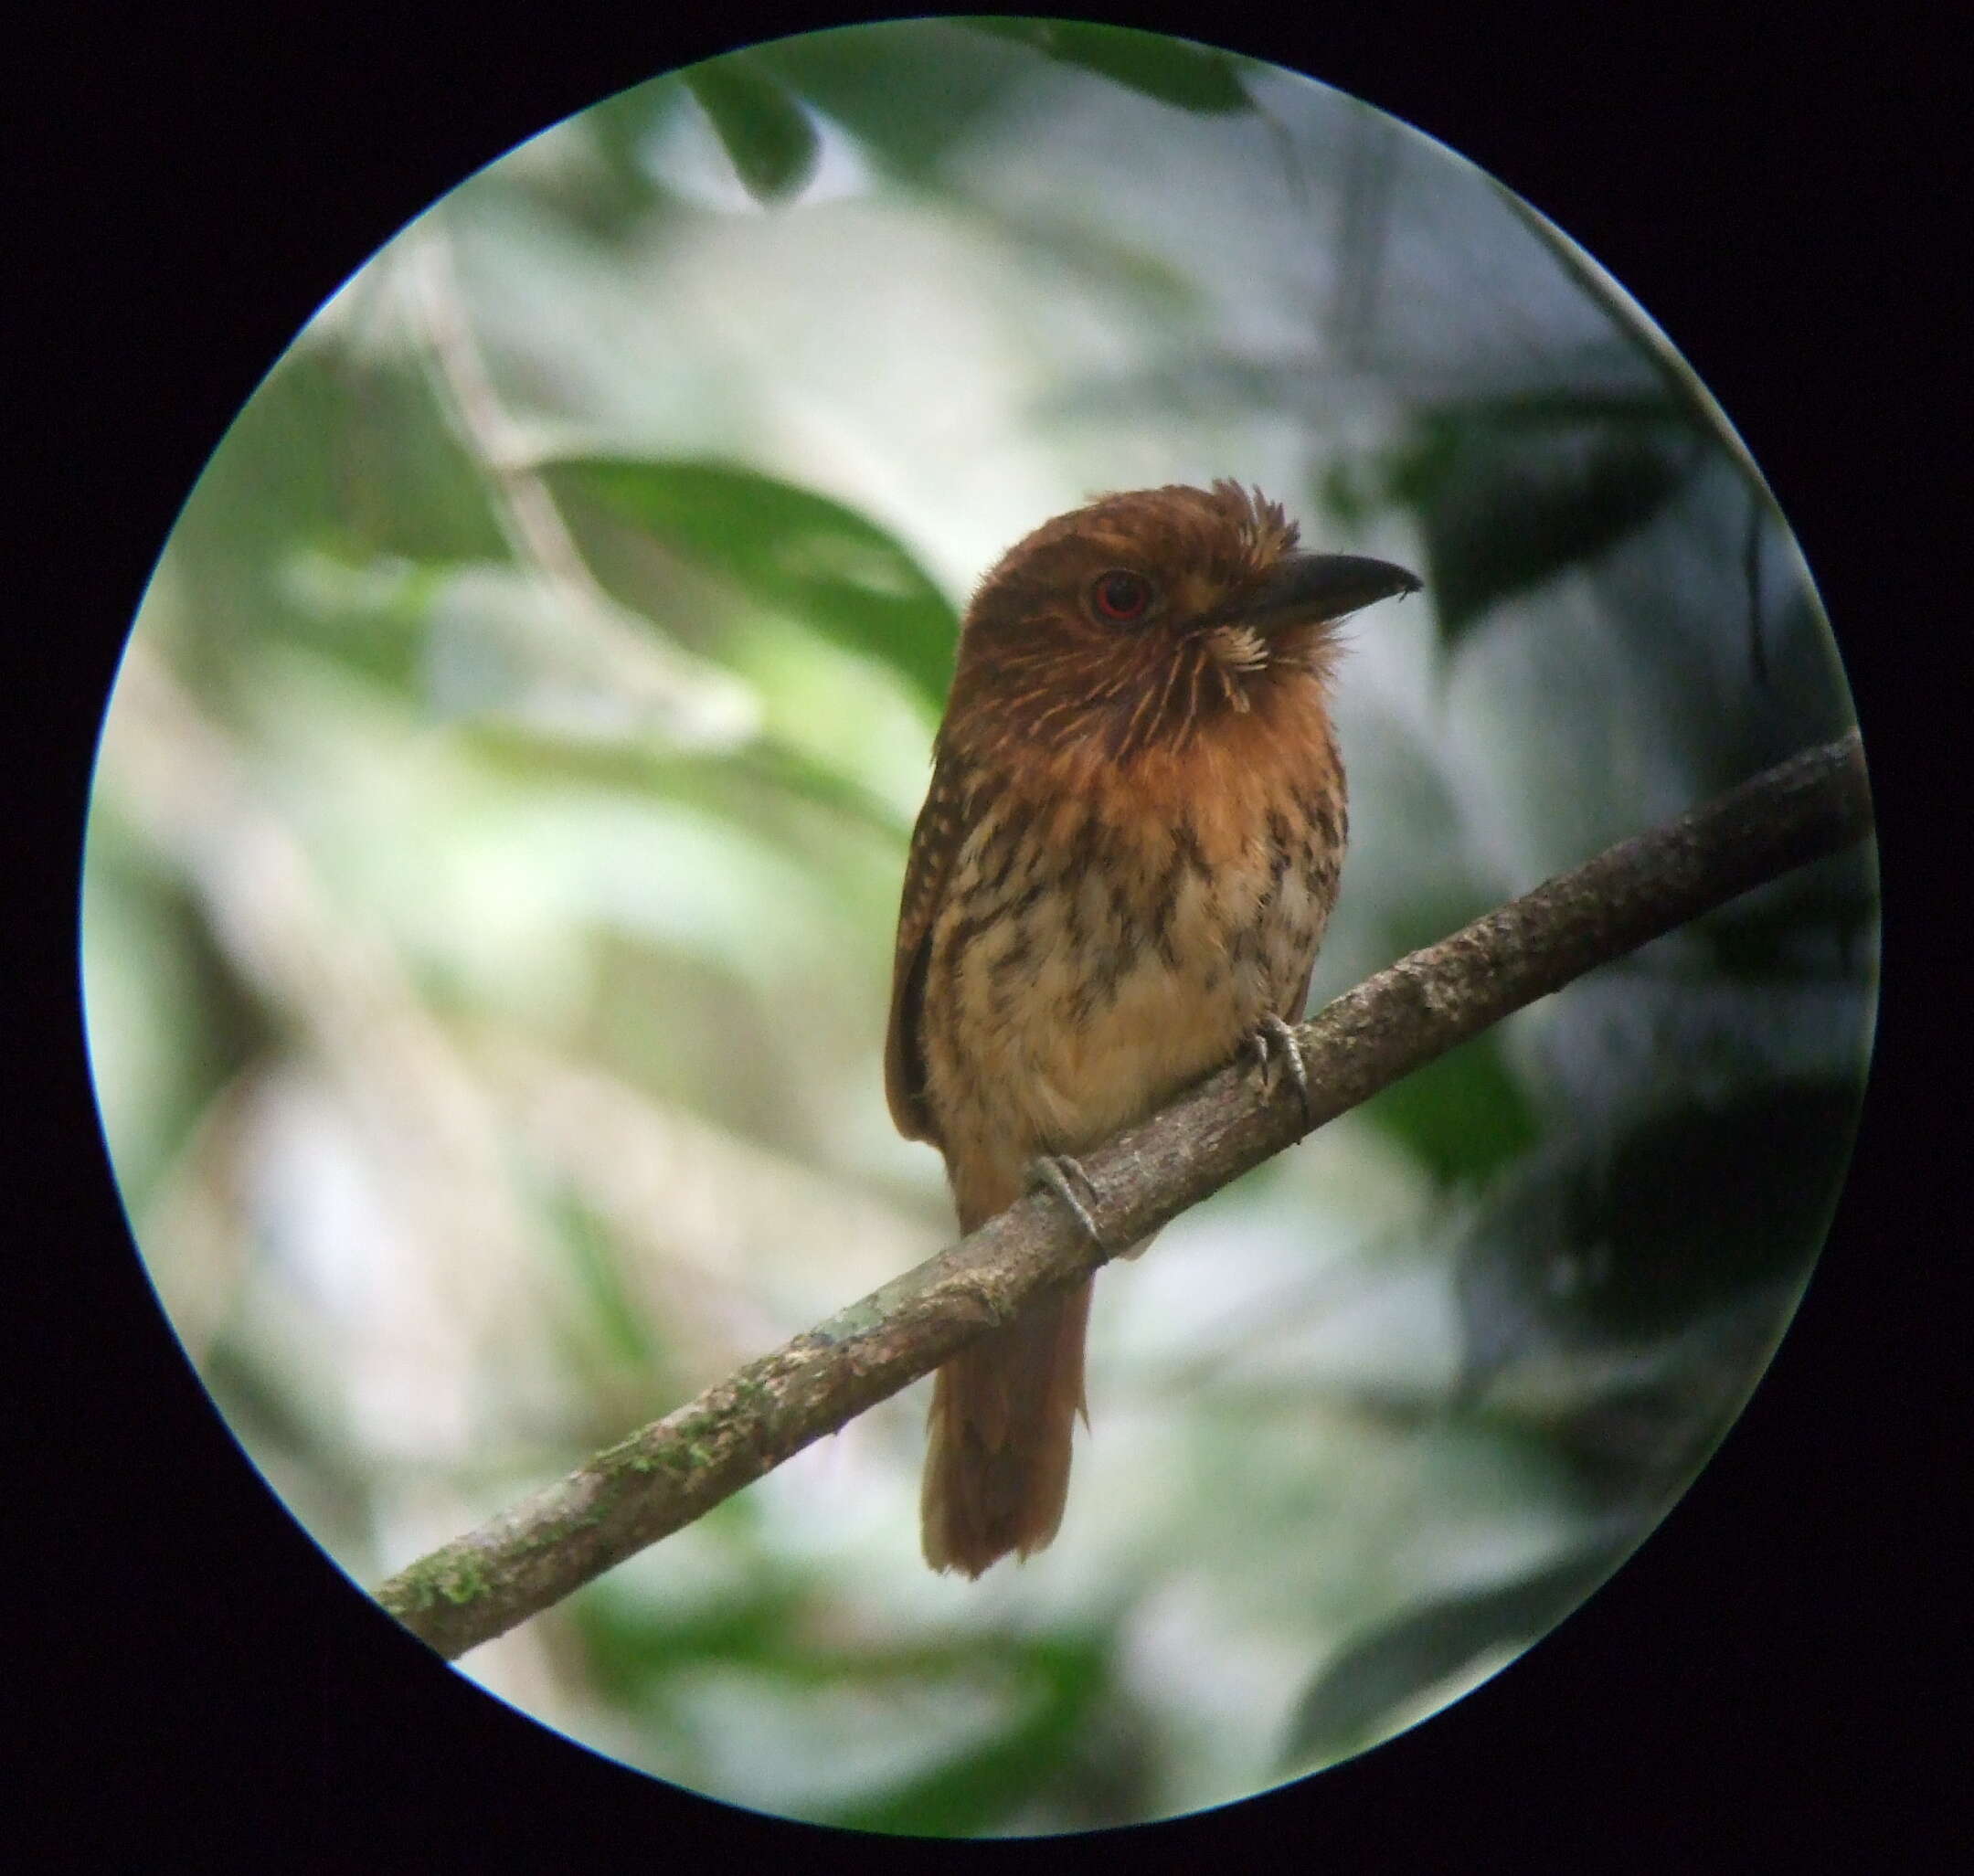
1063 1679
758 1633
1354 1699
1463 1115
791 549
616 1322
908 90
728 782
1695 1222
632 1649
1511 492
768 137
1699 1203
1174 71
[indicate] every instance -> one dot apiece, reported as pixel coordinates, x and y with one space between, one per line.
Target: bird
1128 850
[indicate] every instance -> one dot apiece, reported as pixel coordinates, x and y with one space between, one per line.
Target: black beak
1307 588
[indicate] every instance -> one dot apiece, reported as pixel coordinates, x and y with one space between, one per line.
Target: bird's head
1139 622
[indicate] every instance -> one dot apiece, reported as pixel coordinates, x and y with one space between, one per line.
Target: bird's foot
1276 1053
1058 1173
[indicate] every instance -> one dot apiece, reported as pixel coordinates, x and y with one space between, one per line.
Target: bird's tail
997 1464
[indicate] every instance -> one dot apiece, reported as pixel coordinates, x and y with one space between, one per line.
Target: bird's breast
1103 943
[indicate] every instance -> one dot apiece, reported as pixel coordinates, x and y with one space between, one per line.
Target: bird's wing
935 840
1298 1007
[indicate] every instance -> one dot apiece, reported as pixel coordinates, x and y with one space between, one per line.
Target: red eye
1121 596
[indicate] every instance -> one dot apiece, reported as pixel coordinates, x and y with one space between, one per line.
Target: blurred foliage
792 550
1174 71
1619 1296
1510 494
1463 1116
1358 1697
765 132
490 889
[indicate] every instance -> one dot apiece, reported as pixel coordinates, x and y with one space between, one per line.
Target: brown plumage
1121 872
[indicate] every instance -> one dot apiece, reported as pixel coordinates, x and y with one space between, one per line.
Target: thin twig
672 1471
536 534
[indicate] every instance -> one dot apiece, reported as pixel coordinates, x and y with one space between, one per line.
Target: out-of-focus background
496 844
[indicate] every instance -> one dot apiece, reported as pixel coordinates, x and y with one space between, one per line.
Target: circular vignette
496 842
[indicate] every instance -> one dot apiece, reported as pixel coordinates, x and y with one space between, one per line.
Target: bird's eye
1121 596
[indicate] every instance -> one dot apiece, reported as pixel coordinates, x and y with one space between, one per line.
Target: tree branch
669 1473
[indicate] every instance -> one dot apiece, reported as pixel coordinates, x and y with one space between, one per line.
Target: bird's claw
1275 1049
1058 1173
